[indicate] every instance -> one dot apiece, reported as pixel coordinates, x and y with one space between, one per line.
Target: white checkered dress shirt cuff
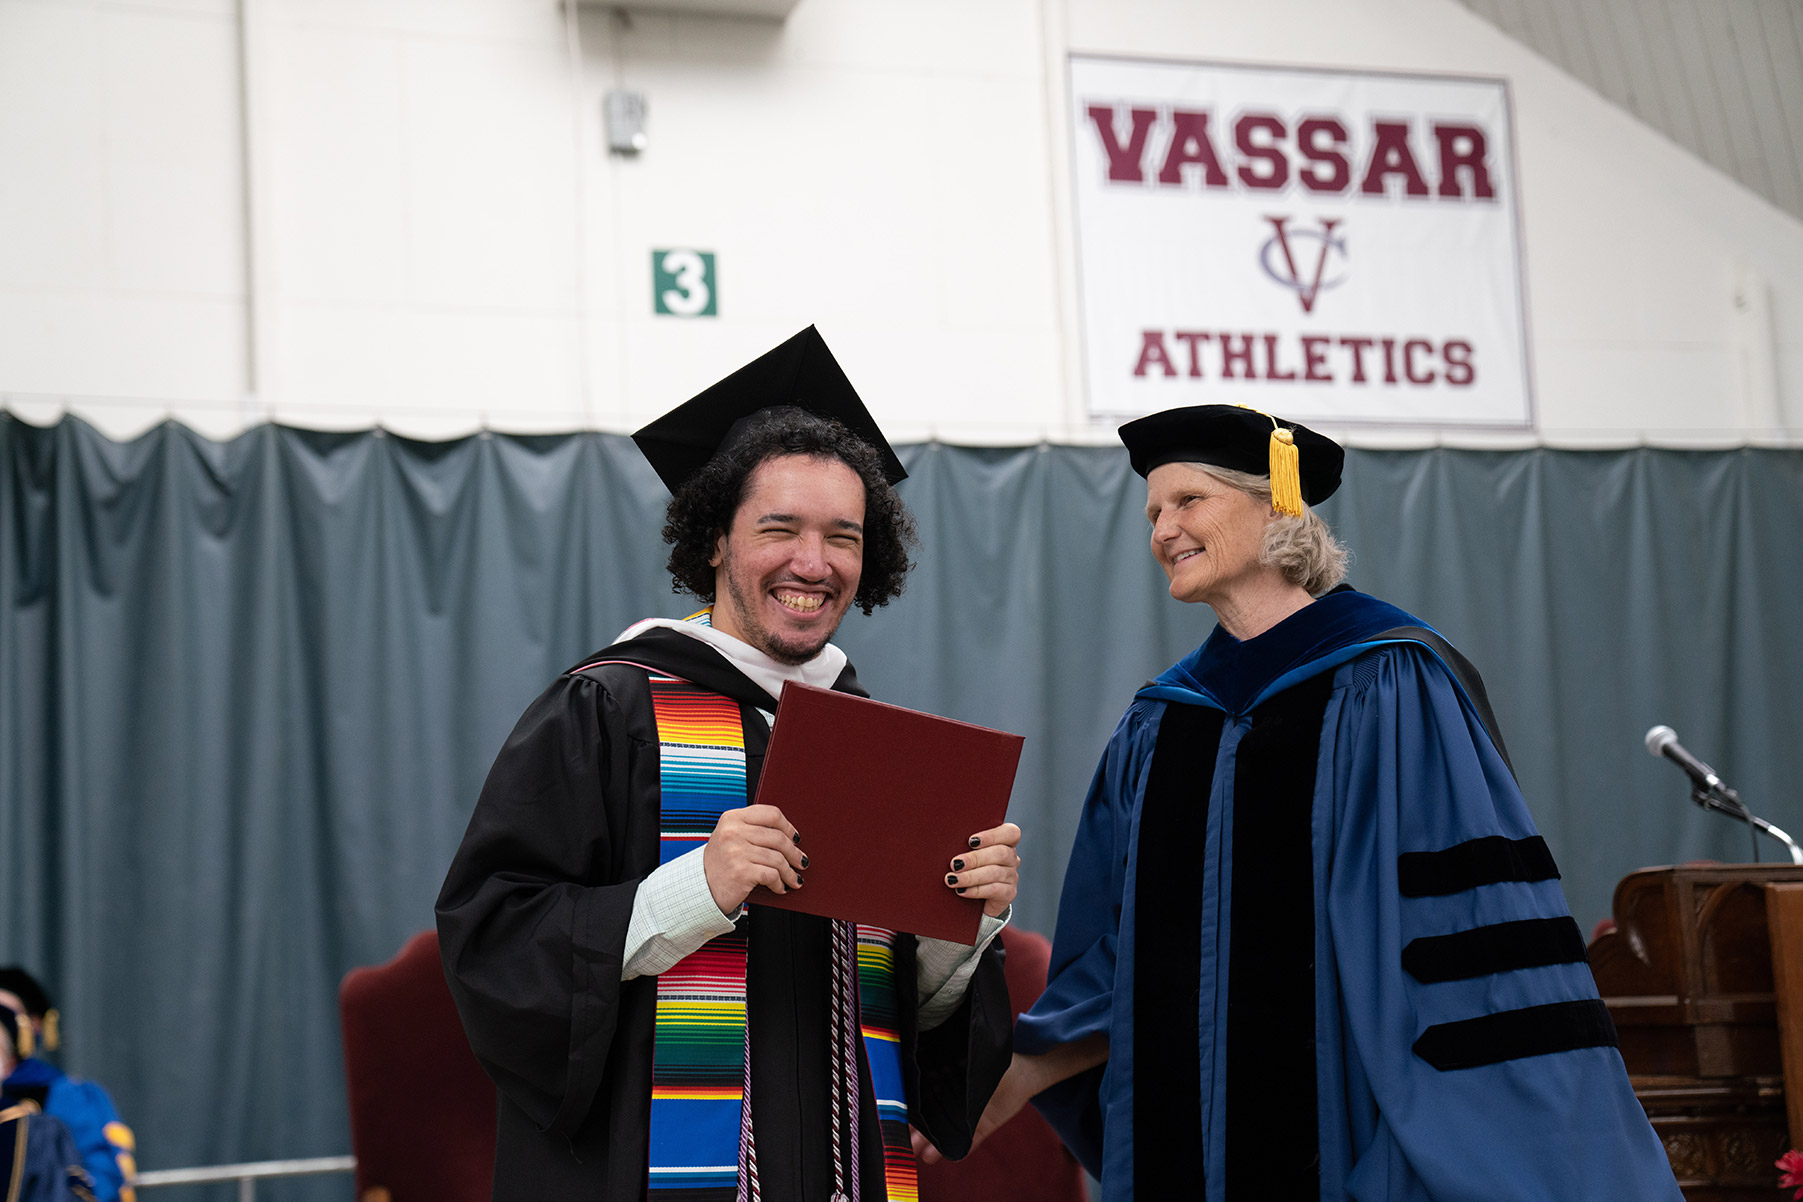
673 914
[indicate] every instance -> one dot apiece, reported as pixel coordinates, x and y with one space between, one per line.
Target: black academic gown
532 926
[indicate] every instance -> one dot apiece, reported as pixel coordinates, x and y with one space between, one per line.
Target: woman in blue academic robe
1310 944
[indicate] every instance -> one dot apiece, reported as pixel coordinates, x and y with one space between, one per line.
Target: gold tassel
52 1033
24 1040
1286 473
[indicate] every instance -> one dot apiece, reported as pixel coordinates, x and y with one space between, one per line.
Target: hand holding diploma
885 795
990 870
751 847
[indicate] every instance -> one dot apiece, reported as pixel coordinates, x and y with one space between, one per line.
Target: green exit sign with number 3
683 283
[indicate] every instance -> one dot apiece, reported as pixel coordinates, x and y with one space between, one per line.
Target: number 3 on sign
683 283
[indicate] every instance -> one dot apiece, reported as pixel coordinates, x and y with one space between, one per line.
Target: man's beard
763 639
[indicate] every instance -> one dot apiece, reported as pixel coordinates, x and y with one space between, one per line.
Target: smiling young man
650 1032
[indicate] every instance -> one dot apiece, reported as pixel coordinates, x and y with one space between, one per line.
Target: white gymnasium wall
121 235
429 234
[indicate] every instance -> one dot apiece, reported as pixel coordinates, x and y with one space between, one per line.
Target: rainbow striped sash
882 1047
698 1064
699 1112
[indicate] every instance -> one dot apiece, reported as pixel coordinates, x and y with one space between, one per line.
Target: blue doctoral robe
1304 856
105 1144
38 1161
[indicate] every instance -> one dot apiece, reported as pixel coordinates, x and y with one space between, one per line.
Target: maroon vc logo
1295 273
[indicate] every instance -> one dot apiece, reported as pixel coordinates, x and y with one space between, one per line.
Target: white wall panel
337 135
931 37
53 196
488 21
175 194
424 217
490 178
121 272
427 373
817 160
154 353
994 260
222 9
1671 390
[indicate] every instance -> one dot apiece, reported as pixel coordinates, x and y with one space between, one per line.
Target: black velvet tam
25 987
1234 438
801 373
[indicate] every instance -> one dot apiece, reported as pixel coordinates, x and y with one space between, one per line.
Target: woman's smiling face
1205 535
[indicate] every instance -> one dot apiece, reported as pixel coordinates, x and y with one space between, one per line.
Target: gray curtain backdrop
249 691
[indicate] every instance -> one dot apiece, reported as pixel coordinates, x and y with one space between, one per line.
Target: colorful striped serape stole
882 1047
698 1064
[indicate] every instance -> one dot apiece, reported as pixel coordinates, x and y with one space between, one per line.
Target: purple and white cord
843 1038
748 1153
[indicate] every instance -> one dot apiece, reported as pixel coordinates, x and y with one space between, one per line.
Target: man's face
788 569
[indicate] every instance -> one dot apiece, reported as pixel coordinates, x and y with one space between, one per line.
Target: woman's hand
1026 1076
990 869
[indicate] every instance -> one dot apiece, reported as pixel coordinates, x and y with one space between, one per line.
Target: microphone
1663 741
1709 791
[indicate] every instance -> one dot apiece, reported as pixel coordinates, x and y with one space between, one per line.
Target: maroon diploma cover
884 798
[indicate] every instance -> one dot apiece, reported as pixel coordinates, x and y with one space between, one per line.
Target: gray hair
1303 548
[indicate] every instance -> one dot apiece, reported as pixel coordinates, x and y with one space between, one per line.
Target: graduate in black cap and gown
593 924
1310 945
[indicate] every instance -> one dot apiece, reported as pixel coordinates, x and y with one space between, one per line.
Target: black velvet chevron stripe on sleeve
1499 947
1485 861
1515 1034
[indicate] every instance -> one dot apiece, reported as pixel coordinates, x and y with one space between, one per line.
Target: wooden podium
1703 975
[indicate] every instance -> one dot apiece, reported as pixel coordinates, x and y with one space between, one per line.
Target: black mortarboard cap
37 1003
1237 438
801 373
16 980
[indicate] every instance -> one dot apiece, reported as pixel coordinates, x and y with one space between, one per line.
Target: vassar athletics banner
1335 246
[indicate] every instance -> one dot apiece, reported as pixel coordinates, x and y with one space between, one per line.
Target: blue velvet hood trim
32 1071
1227 674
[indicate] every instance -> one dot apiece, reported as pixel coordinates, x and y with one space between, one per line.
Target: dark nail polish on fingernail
958 864
960 891
804 861
950 879
798 881
975 842
797 837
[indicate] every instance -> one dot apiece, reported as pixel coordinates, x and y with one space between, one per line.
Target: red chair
422 1109
1025 1161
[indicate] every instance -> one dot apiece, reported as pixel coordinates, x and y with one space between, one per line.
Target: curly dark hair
703 508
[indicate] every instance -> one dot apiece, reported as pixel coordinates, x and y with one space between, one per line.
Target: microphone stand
1724 800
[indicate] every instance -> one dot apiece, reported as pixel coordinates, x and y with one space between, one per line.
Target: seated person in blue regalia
38 1161
1310 944
105 1144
